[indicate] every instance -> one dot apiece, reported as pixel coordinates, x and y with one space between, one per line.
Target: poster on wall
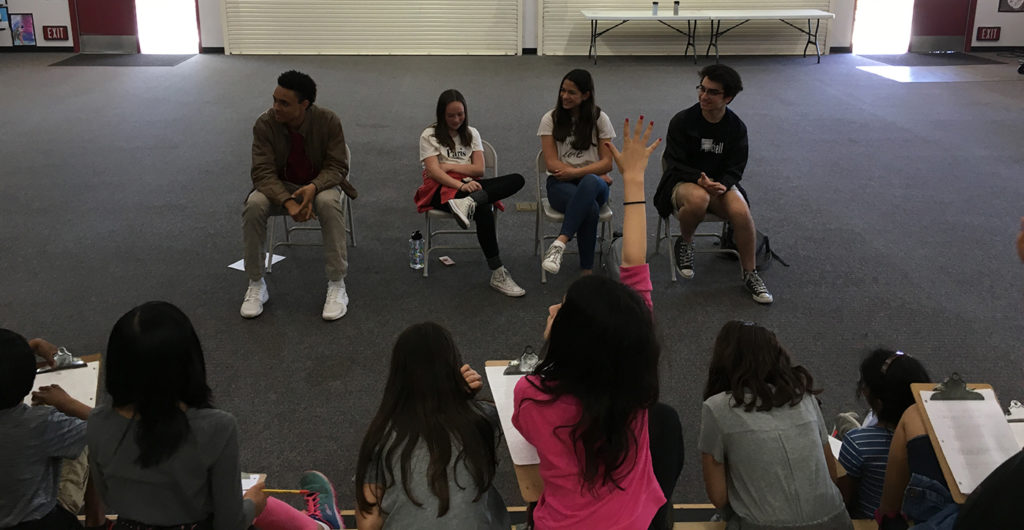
23 29
3 19
1011 6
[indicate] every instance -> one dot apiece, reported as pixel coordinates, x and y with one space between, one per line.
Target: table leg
593 41
691 39
713 40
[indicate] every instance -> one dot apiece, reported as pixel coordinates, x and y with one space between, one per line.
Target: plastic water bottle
675 8
654 8
416 251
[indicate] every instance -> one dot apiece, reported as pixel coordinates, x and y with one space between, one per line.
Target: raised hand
632 160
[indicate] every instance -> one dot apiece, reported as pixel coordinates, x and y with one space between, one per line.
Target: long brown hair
583 127
441 131
750 364
426 402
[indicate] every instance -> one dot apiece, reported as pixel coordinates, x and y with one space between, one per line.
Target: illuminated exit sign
988 33
55 33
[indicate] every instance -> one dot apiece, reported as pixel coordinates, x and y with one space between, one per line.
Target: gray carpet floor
896 205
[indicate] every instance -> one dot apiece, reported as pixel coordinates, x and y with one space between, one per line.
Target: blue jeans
581 202
929 504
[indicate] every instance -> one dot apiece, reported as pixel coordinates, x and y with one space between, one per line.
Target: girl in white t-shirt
572 137
453 162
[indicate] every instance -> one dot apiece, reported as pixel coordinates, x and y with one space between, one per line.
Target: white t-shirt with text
575 157
462 154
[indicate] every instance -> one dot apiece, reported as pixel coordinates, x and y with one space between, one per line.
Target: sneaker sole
334 496
763 302
513 294
258 313
685 273
332 319
460 218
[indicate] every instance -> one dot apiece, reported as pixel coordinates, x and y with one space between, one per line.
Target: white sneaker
463 210
255 296
336 304
502 282
553 257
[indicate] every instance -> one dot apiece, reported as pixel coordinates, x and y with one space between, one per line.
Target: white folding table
714 16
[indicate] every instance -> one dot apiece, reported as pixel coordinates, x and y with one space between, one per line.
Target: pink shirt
565 501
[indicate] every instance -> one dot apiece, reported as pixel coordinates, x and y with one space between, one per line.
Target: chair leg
351 229
536 232
269 246
426 251
657 240
669 249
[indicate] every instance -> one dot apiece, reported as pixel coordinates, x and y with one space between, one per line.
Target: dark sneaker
463 210
684 258
757 289
321 504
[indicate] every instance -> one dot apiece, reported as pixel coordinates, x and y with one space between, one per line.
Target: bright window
167 26
882 27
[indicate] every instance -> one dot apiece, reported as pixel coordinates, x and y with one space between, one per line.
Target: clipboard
954 414
527 474
80 383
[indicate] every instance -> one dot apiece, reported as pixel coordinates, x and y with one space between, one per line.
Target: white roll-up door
564 31
374 27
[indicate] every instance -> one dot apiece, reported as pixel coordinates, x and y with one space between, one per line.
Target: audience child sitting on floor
162 456
430 453
591 405
914 467
38 443
885 379
765 451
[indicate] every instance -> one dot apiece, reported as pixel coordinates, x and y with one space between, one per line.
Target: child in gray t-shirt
767 463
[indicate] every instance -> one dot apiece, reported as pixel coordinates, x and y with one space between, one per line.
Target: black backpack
762 249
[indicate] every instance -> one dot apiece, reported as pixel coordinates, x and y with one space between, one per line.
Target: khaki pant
74 474
328 210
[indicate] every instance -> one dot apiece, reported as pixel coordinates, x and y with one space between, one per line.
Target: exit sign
55 33
988 33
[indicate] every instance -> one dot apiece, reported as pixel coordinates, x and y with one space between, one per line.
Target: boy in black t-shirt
705 155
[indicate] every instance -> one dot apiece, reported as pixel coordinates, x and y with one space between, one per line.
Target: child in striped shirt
885 378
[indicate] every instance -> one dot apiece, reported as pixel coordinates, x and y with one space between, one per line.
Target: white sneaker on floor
463 210
553 257
502 282
255 296
336 304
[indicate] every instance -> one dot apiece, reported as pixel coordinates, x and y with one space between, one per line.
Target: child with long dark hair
430 454
574 138
885 379
453 163
765 452
162 456
587 405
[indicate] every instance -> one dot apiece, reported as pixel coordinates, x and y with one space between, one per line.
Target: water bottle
675 8
416 251
654 8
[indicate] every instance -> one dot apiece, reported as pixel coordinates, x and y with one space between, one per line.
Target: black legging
666 441
493 190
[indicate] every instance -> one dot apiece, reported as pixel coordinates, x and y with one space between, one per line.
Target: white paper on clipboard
79 383
503 388
974 436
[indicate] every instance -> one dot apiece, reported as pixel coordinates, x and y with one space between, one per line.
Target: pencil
268 490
